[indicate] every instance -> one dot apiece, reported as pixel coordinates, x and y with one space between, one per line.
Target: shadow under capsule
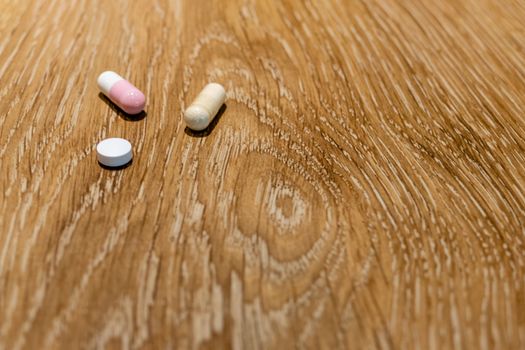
209 129
120 112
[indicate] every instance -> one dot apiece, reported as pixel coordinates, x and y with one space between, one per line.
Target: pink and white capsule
121 92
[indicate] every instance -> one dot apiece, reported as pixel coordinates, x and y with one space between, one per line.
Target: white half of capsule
114 152
106 81
205 107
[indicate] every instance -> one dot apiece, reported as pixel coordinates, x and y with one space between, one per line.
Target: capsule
204 108
121 92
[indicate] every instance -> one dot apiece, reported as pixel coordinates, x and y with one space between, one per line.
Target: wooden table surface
363 187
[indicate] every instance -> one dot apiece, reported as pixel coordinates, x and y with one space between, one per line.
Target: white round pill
114 152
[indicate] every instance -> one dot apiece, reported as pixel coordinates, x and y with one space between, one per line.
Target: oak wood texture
362 188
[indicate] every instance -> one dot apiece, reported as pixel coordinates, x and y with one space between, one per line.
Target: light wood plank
363 187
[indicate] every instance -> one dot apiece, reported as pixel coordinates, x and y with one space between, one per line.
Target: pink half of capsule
121 92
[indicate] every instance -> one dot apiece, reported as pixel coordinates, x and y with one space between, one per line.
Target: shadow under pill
120 112
113 168
209 129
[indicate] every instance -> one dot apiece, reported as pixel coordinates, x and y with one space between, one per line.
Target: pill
114 152
204 108
121 92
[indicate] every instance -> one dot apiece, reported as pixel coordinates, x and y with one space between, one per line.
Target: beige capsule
205 107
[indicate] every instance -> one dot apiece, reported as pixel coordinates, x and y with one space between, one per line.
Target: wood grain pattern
363 188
